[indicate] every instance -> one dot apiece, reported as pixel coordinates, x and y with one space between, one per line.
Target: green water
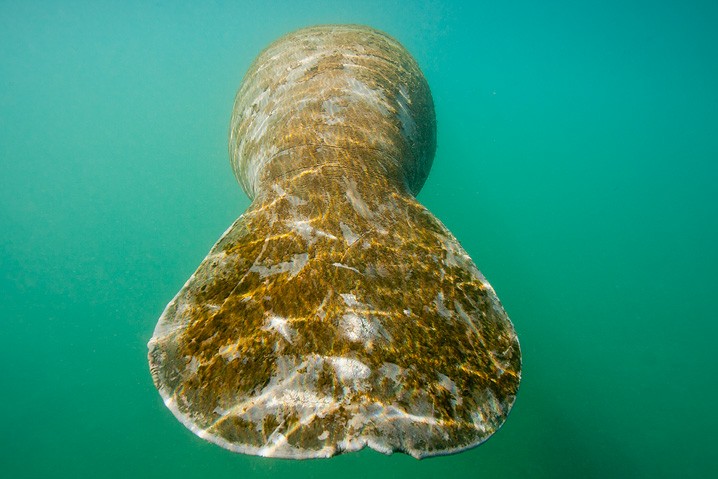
577 163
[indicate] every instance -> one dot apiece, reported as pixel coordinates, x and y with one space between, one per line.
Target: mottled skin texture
336 312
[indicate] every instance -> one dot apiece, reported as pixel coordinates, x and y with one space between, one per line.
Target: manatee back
336 86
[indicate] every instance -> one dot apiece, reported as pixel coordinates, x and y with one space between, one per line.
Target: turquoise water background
577 163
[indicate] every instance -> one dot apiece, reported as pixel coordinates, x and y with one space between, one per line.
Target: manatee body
337 312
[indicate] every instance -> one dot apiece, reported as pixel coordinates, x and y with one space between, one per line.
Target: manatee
336 312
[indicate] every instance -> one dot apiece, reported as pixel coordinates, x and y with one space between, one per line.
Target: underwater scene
358 239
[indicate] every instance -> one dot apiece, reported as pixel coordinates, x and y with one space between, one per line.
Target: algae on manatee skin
337 312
